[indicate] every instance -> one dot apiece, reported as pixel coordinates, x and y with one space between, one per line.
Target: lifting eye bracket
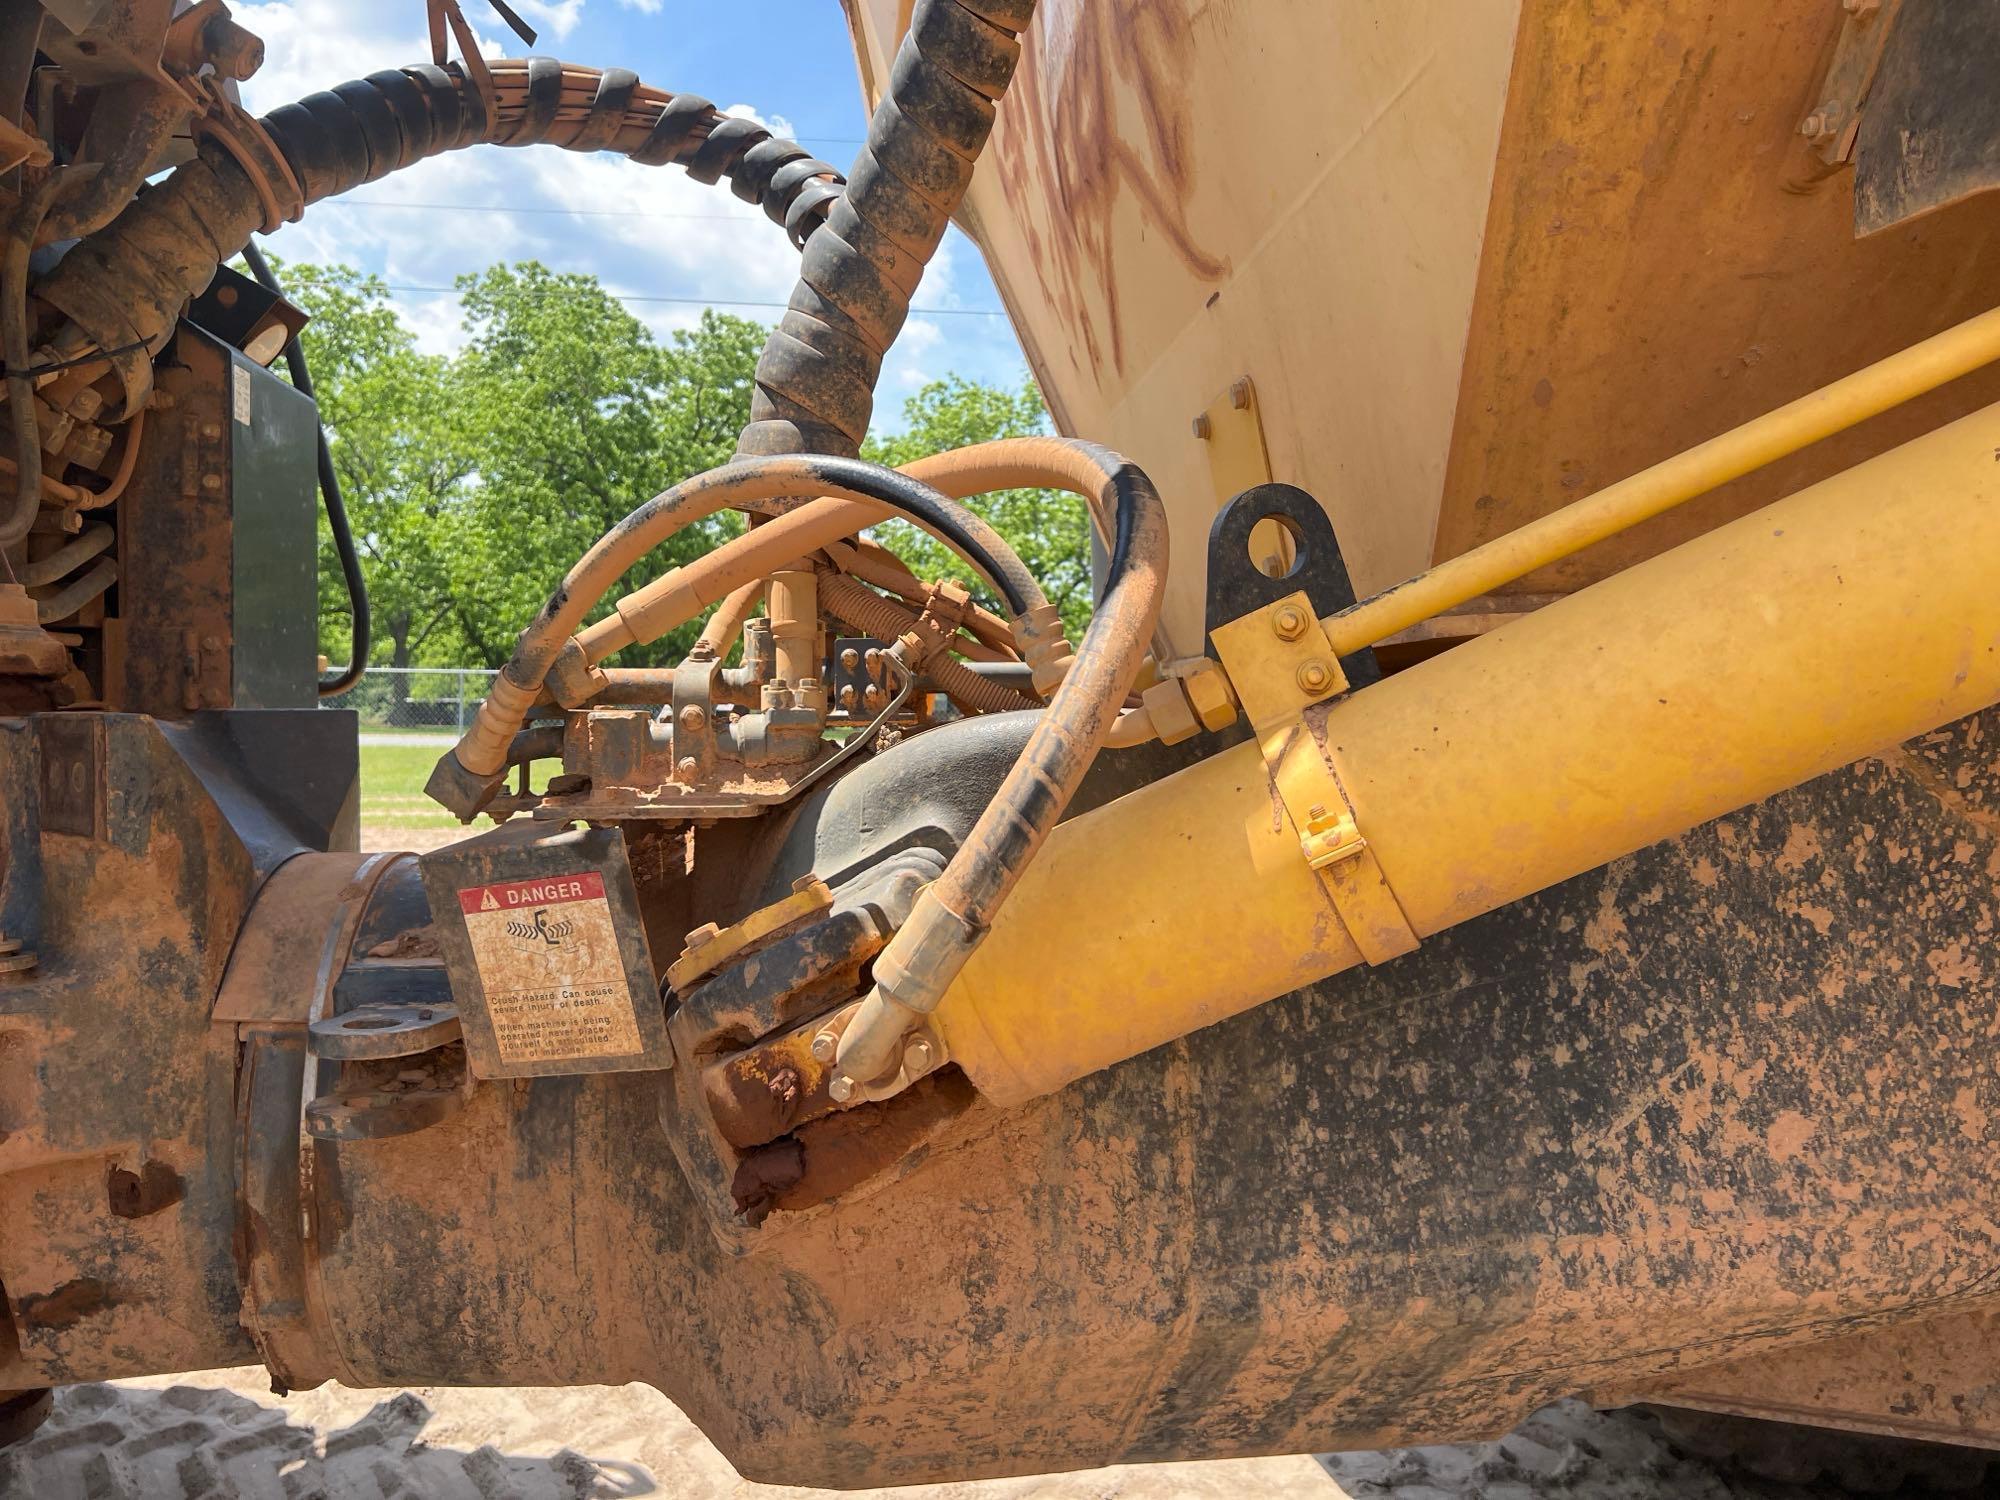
1282 666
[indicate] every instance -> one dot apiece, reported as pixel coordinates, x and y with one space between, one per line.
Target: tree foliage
475 480
1050 530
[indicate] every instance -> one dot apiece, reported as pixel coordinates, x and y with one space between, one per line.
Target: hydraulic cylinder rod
1833 624
1846 403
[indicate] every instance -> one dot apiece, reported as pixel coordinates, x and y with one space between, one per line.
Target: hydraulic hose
66 559
952 916
672 600
873 563
330 496
77 593
816 377
871 614
724 625
464 778
27 499
127 283
1868 392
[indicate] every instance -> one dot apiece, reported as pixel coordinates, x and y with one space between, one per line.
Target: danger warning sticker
549 962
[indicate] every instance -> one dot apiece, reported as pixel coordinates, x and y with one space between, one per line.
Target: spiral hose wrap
361 131
128 283
816 378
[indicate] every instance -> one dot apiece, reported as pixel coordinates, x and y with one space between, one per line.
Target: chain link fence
417 700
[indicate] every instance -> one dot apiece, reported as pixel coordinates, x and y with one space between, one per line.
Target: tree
588 416
474 482
1050 530
403 458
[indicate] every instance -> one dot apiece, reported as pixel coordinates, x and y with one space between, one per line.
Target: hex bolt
847 696
1239 393
1315 677
692 718
211 481
687 767
849 658
841 1089
1289 621
825 1046
1201 427
917 1057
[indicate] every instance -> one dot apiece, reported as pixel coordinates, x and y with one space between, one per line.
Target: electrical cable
330 496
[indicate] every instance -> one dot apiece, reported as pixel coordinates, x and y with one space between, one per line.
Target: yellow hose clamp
1280 663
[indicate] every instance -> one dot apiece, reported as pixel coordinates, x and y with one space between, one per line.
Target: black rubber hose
127 284
360 131
815 388
329 493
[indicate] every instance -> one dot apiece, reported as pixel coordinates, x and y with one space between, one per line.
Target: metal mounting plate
1236 585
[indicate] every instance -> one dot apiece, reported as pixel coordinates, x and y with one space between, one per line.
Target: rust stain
1067 156
68 1305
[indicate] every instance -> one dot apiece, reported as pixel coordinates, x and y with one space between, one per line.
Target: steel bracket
1832 124
1281 664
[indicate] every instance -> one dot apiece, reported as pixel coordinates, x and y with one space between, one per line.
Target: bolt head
687 767
1201 428
841 1089
1239 394
692 718
825 1046
1315 677
211 481
1289 621
918 1057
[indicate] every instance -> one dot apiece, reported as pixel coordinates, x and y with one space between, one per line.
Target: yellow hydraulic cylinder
1851 616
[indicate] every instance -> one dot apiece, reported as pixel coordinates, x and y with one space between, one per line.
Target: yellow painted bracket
709 947
1281 663
1231 432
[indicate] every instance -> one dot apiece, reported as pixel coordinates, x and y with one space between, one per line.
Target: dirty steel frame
1310 1009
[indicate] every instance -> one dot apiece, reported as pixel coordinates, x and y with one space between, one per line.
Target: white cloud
649 231
556 18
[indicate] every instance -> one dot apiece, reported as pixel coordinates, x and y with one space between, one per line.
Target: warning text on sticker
585 885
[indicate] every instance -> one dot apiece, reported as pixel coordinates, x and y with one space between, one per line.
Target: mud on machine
1500 901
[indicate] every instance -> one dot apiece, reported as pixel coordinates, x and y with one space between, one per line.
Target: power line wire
963 312
581 213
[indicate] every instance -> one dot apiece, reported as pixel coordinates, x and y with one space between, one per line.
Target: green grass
392 786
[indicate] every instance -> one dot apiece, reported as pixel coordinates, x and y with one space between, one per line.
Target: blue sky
648 232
